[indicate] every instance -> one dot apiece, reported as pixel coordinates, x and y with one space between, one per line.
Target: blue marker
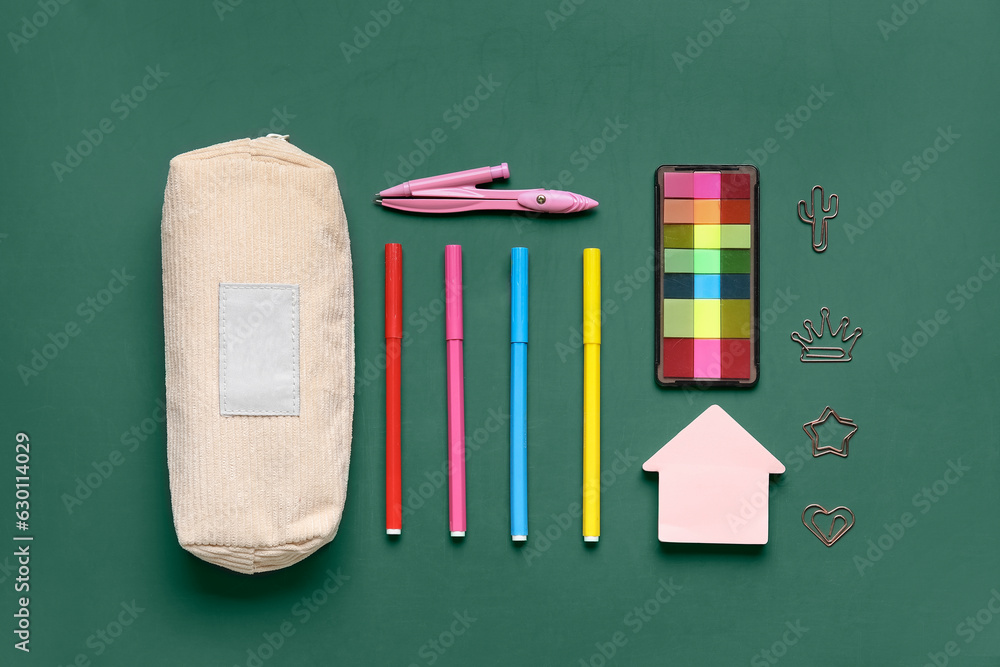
519 394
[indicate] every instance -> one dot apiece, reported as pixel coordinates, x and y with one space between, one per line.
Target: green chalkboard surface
890 104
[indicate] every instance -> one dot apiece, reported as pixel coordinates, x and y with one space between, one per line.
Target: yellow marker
591 394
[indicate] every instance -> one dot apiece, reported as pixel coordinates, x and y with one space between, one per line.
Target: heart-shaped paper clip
833 534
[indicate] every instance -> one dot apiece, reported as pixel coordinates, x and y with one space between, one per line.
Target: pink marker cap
453 292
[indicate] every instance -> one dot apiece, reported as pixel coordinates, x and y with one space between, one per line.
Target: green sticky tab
706 261
678 260
735 236
678 318
735 261
678 236
735 318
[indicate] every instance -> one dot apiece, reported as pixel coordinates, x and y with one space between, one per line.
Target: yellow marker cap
592 296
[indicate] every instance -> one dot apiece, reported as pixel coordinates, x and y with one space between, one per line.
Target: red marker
393 353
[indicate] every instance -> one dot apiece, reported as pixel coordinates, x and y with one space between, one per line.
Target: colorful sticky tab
678 185
736 186
678 260
734 236
706 212
678 318
678 236
735 212
707 286
678 211
707 185
708 297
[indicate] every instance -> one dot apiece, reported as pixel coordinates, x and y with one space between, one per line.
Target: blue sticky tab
707 286
736 286
678 286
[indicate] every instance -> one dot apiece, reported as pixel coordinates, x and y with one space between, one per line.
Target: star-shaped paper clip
810 429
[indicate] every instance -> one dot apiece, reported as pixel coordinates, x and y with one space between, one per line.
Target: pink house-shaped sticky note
713 483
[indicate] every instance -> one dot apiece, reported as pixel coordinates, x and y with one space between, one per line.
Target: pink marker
456 389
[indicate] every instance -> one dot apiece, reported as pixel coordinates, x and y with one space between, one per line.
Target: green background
232 74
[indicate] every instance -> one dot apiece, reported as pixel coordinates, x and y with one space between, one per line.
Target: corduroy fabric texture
256 493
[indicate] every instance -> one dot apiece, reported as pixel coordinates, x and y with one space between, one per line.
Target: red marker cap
393 290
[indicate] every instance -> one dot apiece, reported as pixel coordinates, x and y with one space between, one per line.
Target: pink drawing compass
457 193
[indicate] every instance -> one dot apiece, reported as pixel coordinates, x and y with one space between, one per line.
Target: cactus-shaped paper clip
811 214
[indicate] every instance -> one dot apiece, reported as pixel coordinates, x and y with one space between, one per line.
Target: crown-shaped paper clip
818 353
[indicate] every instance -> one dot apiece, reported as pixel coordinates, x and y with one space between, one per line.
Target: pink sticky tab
707 184
707 358
678 185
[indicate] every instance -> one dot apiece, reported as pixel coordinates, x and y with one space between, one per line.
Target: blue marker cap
519 295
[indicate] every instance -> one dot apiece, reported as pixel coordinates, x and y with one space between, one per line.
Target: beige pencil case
258 310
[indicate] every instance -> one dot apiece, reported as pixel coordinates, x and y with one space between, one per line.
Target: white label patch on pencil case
258 349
